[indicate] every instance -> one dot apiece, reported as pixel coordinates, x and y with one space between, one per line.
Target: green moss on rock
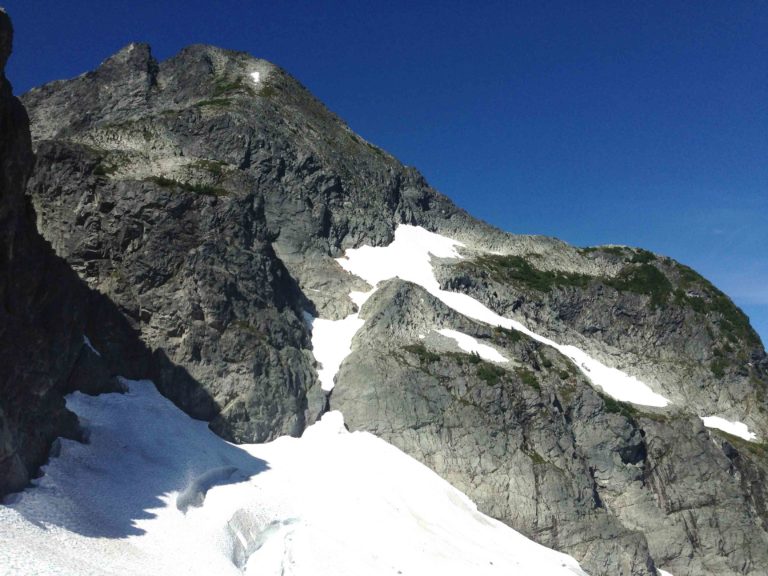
644 279
528 378
420 351
517 269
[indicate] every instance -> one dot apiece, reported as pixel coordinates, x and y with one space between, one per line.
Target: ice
109 506
409 257
736 428
332 503
469 344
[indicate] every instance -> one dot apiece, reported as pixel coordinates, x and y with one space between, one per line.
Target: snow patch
87 342
408 257
255 76
331 503
360 298
736 428
331 344
469 344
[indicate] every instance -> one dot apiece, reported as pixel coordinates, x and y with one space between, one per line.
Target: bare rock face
29 417
205 198
45 311
622 489
207 206
56 334
656 318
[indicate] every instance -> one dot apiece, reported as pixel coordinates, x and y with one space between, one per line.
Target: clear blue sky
639 123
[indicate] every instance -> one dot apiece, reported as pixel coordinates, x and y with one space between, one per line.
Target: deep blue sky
639 123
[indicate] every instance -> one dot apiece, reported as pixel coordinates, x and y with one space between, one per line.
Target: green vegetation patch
644 279
759 449
425 356
629 255
734 323
535 457
103 169
490 373
518 269
213 167
376 149
267 91
214 103
228 86
567 393
641 256
613 406
249 328
528 377
718 366
506 334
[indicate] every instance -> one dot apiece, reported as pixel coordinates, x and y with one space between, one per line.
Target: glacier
329 503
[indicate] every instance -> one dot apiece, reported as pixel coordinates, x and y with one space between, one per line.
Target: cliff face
42 323
620 487
56 334
206 198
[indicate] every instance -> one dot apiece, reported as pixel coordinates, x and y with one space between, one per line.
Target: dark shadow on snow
142 453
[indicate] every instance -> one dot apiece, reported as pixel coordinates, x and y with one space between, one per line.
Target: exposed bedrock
535 445
208 209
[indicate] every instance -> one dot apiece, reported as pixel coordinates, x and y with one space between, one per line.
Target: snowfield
331 343
736 428
408 257
156 492
471 345
330 503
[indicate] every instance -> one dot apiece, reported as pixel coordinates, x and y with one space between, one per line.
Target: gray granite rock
208 209
45 310
621 489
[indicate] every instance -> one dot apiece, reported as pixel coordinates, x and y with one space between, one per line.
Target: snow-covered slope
408 257
329 503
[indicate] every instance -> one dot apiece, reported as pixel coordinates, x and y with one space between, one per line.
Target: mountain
366 508
606 402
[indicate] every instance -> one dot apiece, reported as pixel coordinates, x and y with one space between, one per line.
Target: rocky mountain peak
134 59
208 197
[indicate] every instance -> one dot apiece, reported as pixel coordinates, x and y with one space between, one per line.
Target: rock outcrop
45 312
38 348
621 488
206 198
56 334
654 317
